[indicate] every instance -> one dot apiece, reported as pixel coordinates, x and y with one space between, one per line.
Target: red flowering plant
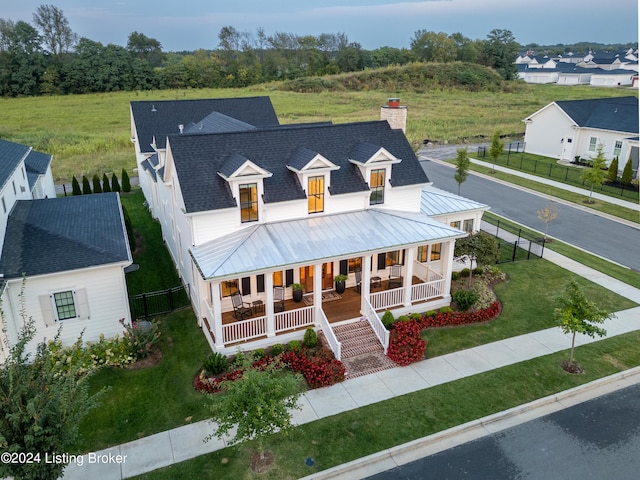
405 344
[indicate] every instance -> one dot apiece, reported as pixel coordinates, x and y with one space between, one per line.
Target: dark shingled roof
199 158
36 164
619 114
61 234
162 118
11 154
217 122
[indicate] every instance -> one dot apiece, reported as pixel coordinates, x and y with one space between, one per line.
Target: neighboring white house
71 252
248 205
574 128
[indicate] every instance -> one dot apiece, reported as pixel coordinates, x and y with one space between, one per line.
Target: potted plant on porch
340 282
297 290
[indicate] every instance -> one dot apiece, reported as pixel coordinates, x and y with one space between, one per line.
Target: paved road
598 439
576 226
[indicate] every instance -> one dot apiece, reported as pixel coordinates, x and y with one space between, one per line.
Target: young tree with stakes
462 167
548 214
577 314
496 149
595 175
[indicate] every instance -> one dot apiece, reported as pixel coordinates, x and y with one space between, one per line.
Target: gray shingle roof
217 122
198 158
36 164
619 114
61 234
11 154
161 118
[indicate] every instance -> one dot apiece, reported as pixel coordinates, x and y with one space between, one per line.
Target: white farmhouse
250 208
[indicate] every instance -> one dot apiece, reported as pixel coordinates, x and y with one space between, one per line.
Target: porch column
412 254
447 264
365 286
268 309
317 292
216 306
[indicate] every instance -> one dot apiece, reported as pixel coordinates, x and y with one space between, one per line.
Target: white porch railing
427 291
244 329
300 317
374 320
387 298
333 342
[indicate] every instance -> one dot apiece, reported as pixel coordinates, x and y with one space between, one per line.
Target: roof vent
153 108
181 128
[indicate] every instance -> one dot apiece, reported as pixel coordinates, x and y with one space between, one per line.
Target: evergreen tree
97 186
126 185
42 403
462 167
627 173
86 186
115 185
612 174
75 186
106 187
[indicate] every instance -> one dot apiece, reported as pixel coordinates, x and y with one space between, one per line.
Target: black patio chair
278 299
241 310
395 276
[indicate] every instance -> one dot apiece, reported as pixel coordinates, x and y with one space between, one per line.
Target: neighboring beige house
71 251
249 207
574 128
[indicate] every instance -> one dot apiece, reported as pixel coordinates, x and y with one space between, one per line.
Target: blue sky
192 24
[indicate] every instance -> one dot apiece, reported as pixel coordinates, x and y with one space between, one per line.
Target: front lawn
528 300
347 436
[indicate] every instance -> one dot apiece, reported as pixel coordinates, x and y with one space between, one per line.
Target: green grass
157 271
528 299
618 272
143 402
89 134
357 433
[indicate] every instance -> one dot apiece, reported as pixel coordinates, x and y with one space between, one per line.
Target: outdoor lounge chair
241 310
278 299
395 276
359 281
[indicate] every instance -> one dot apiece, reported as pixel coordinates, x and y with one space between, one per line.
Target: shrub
319 370
115 185
310 339
478 271
455 275
446 310
465 272
239 359
277 349
294 346
106 187
141 337
86 186
415 316
215 364
405 344
259 353
97 186
465 299
403 318
387 319
430 313
126 184
612 173
75 186
447 317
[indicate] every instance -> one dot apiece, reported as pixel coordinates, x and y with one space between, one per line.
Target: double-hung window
593 143
376 184
249 202
316 194
617 148
65 306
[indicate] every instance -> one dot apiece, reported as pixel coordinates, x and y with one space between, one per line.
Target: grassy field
90 134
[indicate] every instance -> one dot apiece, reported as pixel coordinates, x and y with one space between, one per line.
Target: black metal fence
151 304
516 246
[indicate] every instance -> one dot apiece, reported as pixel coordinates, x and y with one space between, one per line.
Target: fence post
566 174
144 304
515 248
535 166
550 168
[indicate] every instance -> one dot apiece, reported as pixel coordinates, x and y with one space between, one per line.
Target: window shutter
260 281
288 277
246 286
82 303
344 267
48 316
382 261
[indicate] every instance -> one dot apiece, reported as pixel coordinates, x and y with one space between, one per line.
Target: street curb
387 459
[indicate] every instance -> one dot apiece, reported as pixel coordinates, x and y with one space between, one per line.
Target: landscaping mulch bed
151 360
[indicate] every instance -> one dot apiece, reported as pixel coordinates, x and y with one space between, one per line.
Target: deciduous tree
496 149
462 167
54 26
499 51
595 175
577 314
548 214
479 248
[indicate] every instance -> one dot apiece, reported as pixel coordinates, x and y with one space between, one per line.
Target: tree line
46 57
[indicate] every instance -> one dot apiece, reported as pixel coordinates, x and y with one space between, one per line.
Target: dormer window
376 184
249 202
315 194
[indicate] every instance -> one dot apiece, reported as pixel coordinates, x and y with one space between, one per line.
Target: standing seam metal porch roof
310 240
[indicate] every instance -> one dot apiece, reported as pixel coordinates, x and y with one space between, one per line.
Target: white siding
546 130
106 295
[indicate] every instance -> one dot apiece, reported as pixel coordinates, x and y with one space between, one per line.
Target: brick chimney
395 114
